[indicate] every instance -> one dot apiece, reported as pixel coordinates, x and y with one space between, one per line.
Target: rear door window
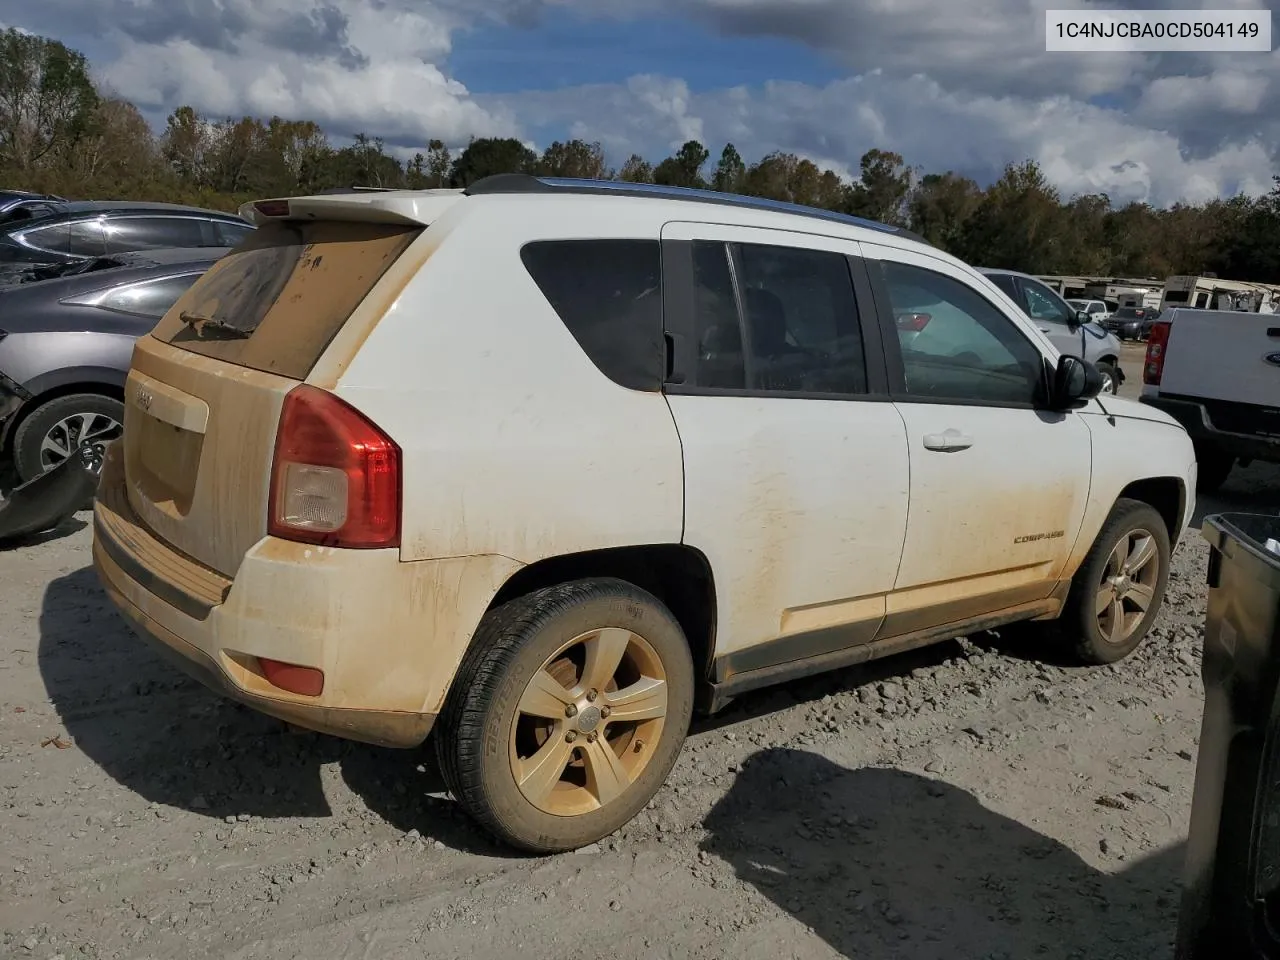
276 302
802 320
608 293
230 234
86 239
54 238
126 234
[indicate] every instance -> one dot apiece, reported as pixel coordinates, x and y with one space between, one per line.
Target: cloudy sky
964 85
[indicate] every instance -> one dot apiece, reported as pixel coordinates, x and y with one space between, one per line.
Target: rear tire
1116 594
525 742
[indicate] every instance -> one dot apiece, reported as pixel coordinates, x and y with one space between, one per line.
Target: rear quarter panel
513 442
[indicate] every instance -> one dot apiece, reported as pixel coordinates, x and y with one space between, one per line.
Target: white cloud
964 85
1083 148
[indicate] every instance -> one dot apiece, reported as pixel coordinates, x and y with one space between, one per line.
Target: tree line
59 133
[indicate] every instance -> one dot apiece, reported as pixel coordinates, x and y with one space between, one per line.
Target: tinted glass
1096 307
955 344
720 359
230 234
609 294
1045 305
151 298
1005 283
802 320
87 239
126 234
53 238
276 303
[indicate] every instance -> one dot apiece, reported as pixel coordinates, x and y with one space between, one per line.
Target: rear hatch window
275 302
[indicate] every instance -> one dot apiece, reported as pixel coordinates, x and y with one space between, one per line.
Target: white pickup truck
1217 372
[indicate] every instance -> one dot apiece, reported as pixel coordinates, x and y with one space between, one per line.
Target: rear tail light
1157 343
335 478
913 322
272 208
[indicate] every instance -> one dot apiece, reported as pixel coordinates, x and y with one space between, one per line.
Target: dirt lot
976 800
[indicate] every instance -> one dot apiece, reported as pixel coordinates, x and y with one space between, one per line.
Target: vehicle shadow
887 864
1251 489
171 741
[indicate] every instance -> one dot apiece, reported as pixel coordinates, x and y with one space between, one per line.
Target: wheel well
676 574
1109 359
10 428
1165 494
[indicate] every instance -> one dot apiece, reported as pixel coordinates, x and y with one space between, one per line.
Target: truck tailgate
1223 355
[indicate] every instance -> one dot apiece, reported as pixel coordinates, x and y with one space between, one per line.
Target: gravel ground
974 800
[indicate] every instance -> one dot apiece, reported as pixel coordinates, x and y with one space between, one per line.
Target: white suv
545 463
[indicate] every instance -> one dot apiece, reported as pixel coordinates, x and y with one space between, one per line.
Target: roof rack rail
517 183
354 188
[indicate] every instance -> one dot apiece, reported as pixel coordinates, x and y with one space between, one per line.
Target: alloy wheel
1128 586
588 721
69 433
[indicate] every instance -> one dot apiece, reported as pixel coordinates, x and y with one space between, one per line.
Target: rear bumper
1195 419
382 727
388 635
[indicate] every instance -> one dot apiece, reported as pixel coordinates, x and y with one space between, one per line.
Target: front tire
1116 594
567 714
1110 384
54 430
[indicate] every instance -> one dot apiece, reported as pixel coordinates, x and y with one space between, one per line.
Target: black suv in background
97 228
1132 323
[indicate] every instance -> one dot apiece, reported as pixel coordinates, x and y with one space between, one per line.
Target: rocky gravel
980 799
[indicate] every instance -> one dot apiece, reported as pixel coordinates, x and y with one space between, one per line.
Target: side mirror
1078 319
1075 383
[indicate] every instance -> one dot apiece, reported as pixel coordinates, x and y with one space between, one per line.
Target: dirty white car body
534 496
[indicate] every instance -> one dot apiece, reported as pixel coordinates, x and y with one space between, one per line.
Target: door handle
948 441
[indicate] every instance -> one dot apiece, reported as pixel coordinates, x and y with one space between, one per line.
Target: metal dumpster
1231 901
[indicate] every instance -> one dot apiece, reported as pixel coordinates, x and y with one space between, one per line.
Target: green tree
685 168
636 170
488 156
47 100
1019 224
940 206
575 158
730 171
882 190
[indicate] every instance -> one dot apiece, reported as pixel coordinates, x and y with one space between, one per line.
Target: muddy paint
279 300
387 634
203 493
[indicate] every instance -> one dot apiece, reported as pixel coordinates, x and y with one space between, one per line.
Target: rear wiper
211 328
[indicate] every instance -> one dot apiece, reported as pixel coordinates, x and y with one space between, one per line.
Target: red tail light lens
272 208
1157 343
913 322
307 681
335 479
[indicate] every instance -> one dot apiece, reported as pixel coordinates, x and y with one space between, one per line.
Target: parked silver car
1071 330
66 339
